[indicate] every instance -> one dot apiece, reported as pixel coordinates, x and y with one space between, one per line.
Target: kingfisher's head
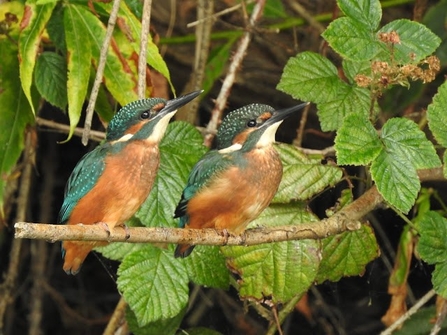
145 119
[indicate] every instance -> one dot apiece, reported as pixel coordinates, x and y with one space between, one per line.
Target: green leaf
153 283
303 177
357 142
404 138
434 19
206 267
366 12
352 39
416 41
444 167
133 33
15 113
79 58
180 148
439 279
33 24
307 75
432 246
349 100
396 179
51 78
165 327
347 254
437 115
118 79
53 28
276 271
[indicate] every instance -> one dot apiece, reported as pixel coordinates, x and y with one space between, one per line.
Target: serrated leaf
432 245
165 327
51 78
307 75
153 284
119 81
33 23
347 254
404 138
416 41
303 177
439 279
352 39
367 12
434 19
180 149
396 179
15 113
437 115
349 100
53 28
79 58
206 267
133 33
276 271
357 141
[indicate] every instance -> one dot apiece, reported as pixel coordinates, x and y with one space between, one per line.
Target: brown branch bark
142 61
345 220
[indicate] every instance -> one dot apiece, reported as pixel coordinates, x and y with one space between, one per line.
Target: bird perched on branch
231 185
110 183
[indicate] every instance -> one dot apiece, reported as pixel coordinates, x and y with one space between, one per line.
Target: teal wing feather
83 178
202 173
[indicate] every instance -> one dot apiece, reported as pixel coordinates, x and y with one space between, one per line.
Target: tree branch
345 220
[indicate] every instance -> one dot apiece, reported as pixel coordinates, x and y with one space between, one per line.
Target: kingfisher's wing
83 178
208 167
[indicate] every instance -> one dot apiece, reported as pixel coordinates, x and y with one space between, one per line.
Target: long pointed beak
280 115
174 104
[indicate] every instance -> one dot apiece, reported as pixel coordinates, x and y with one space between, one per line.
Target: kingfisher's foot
105 226
126 229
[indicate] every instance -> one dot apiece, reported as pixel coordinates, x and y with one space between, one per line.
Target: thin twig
441 305
142 61
216 15
430 294
117 319
235 65
188 112
100 71
7 287
306 16
94 135
300 133
287 309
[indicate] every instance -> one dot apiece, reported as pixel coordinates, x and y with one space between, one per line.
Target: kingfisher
110 183
232 184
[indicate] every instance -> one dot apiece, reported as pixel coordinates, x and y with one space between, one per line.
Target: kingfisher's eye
251 123
145 115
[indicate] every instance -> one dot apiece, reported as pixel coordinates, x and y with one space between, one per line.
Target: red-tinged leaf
118 79
32 26
131 27
79 57
15 113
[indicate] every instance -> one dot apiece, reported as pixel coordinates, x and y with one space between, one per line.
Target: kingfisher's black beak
279 115
174 104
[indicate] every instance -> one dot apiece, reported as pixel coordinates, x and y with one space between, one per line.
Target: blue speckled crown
128 116
236 121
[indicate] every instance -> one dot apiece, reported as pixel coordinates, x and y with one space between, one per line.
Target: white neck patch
123 138
231 148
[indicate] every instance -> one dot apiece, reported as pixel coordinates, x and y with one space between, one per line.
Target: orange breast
123 187
237 196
